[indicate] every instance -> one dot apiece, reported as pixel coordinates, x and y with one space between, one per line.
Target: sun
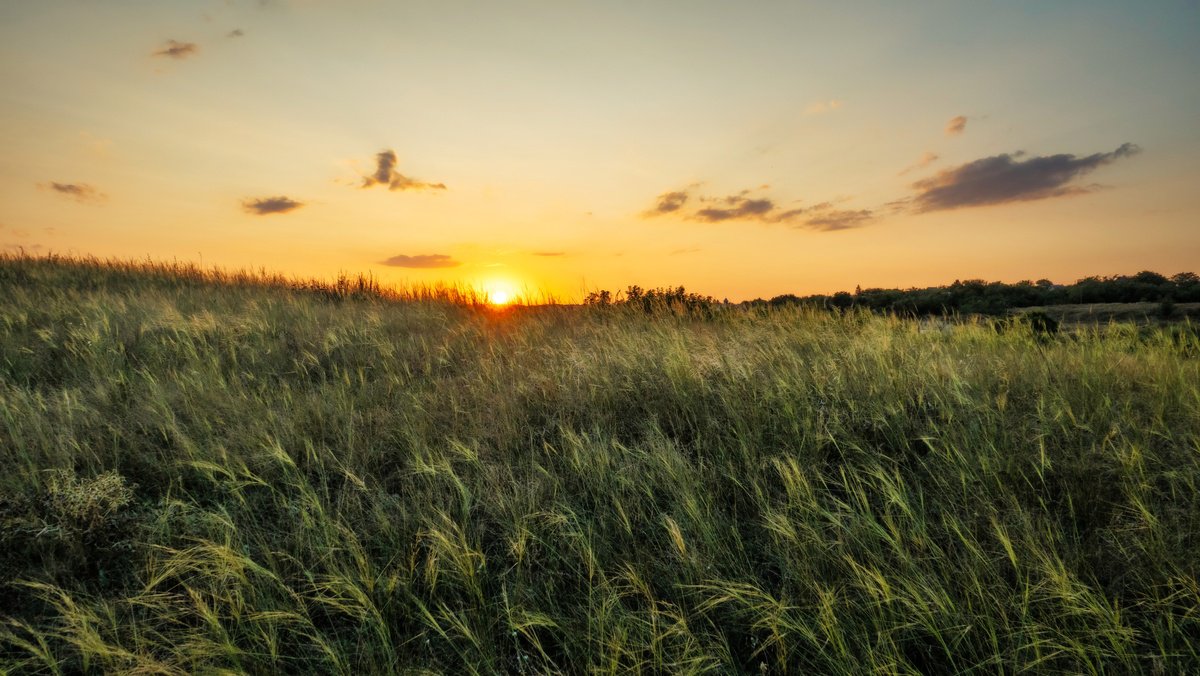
499 292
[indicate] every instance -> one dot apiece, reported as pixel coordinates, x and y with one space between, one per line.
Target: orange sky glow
536 149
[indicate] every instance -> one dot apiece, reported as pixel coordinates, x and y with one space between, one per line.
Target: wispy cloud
1004 178
421 261
668 202
927 158
747 206
956 125
386 174
235 33
823 106
271 205
839 219
80 192
737 207
550 254
178 50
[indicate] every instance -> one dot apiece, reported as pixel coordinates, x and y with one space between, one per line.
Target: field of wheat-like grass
211 472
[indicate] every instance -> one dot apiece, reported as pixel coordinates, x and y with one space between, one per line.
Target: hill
212 472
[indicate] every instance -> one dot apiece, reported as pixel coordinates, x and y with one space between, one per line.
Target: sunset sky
740 149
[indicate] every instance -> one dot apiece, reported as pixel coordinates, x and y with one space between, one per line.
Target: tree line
976 296
973 296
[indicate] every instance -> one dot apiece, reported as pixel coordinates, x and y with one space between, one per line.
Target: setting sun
498 292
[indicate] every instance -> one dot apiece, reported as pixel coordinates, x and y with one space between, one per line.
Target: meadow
237 472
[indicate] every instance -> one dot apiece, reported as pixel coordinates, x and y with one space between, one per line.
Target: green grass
1104 313
240 473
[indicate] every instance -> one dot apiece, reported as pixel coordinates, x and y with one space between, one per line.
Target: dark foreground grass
205 474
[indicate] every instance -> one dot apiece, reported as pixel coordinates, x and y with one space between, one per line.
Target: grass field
238 473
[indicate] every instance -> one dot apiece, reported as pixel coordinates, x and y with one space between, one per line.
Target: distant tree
649 300
1147 277
602 297
972 296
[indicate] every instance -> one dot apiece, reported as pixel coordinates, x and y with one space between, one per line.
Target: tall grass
212 472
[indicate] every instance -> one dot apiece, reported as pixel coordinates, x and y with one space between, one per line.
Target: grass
1105 313
240 473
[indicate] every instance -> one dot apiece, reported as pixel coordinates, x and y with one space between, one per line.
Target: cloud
1003 178
745 206
178 50
840 219
898 206
823 106
235 33
956 125
271 205
549 254
737 207
668 202
80 192
386 174
927 158
421 261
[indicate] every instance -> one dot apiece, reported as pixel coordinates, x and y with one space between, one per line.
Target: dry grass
239 474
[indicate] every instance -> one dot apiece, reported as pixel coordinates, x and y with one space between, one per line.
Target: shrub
82 506
77 528
1041 323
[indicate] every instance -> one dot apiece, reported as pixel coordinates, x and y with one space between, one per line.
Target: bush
84 506
1038 323
79 528
1041 323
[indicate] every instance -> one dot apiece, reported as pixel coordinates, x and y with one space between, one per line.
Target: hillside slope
205 474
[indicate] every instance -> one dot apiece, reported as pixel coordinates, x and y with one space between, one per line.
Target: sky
742 150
